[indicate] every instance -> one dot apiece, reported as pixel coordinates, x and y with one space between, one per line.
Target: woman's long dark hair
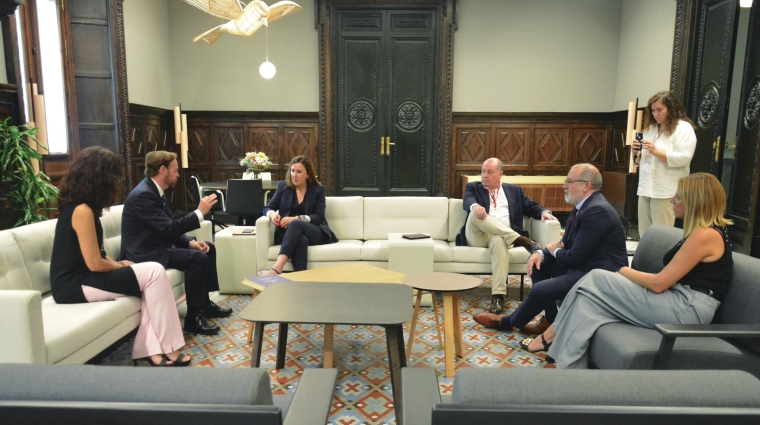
94 178
311 170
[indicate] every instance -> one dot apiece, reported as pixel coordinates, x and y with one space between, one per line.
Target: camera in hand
639 138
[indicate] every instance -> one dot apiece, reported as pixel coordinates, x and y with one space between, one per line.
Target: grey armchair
45 394
732 341
581 397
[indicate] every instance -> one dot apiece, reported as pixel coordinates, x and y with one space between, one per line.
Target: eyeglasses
571 181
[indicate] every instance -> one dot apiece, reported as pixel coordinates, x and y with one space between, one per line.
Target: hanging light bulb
267 69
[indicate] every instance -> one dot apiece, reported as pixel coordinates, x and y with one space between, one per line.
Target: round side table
449 284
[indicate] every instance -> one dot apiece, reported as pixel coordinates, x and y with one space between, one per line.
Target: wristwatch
547 210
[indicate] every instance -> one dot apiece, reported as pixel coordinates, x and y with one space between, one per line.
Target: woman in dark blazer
298 210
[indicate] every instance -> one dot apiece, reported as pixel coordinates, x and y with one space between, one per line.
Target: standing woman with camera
664 156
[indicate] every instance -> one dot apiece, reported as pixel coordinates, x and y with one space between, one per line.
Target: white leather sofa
362 226
37 330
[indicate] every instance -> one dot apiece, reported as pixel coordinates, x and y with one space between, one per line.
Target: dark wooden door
386 117
708 103
745 183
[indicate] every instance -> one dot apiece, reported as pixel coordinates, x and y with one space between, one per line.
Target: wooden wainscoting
218 139
536 143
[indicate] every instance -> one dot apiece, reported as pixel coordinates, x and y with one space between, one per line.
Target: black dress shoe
199 325
497 304
214 311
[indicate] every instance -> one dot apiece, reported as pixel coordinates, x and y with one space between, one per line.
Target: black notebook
415 236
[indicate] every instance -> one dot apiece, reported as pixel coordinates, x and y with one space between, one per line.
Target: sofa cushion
377 250
740 304
345 250
69 327
406 215
36 244
111 222
136 385
623 346
457 216
469 254
705 388
13 274
345 216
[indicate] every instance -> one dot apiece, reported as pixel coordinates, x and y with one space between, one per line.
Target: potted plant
255 162
25 193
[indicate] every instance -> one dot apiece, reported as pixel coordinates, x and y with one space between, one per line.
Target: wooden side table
449 284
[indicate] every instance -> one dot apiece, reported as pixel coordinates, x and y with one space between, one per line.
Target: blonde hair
704 202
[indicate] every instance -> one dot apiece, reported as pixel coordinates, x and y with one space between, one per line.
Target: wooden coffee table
449 284
350 273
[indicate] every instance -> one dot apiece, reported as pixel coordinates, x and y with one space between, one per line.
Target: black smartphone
639 137
249 230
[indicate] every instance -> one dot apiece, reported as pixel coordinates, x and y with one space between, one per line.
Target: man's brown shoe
497 304
488 320
538 328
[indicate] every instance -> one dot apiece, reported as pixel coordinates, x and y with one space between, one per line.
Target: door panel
715 39
411 108
743 195
385 85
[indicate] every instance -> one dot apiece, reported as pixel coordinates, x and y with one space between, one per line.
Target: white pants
655 211
160 331
498 237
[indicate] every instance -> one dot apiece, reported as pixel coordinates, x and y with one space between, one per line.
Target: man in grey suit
494 220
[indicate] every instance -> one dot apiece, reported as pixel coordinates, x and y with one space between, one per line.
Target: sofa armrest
264 240
313 397
671 332
24 339
419 393
203 233
545 232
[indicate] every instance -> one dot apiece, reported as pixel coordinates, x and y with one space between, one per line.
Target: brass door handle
382 146
388 146
717 149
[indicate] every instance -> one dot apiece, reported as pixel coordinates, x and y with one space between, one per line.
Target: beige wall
146 36
646 50
509 56
536 55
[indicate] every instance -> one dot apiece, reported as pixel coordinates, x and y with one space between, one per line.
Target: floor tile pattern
362 392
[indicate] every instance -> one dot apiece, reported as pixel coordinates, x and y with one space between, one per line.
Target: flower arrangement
257 161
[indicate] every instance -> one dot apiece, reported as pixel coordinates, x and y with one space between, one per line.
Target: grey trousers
603 297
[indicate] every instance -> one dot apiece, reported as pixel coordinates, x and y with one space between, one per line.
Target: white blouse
658 179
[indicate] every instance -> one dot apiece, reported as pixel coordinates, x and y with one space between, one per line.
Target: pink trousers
160 331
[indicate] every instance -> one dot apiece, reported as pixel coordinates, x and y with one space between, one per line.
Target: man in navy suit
149 232
494 220
594 239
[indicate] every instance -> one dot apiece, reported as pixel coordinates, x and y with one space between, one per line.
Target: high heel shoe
525 343
165 361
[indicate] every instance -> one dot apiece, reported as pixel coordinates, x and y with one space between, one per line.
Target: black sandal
178 362
275 270
525 343
164 361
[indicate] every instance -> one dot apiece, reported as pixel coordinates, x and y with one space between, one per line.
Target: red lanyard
493 193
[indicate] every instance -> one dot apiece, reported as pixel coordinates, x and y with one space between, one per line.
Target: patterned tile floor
362 394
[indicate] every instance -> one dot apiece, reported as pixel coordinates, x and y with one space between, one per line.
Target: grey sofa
486 396
47 394
713 346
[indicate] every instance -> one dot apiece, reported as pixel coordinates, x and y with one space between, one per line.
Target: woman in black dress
81 272
298 211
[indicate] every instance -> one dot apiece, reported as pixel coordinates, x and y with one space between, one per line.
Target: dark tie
166 203
570 223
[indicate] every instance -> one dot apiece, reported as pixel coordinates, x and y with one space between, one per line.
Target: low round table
449 284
